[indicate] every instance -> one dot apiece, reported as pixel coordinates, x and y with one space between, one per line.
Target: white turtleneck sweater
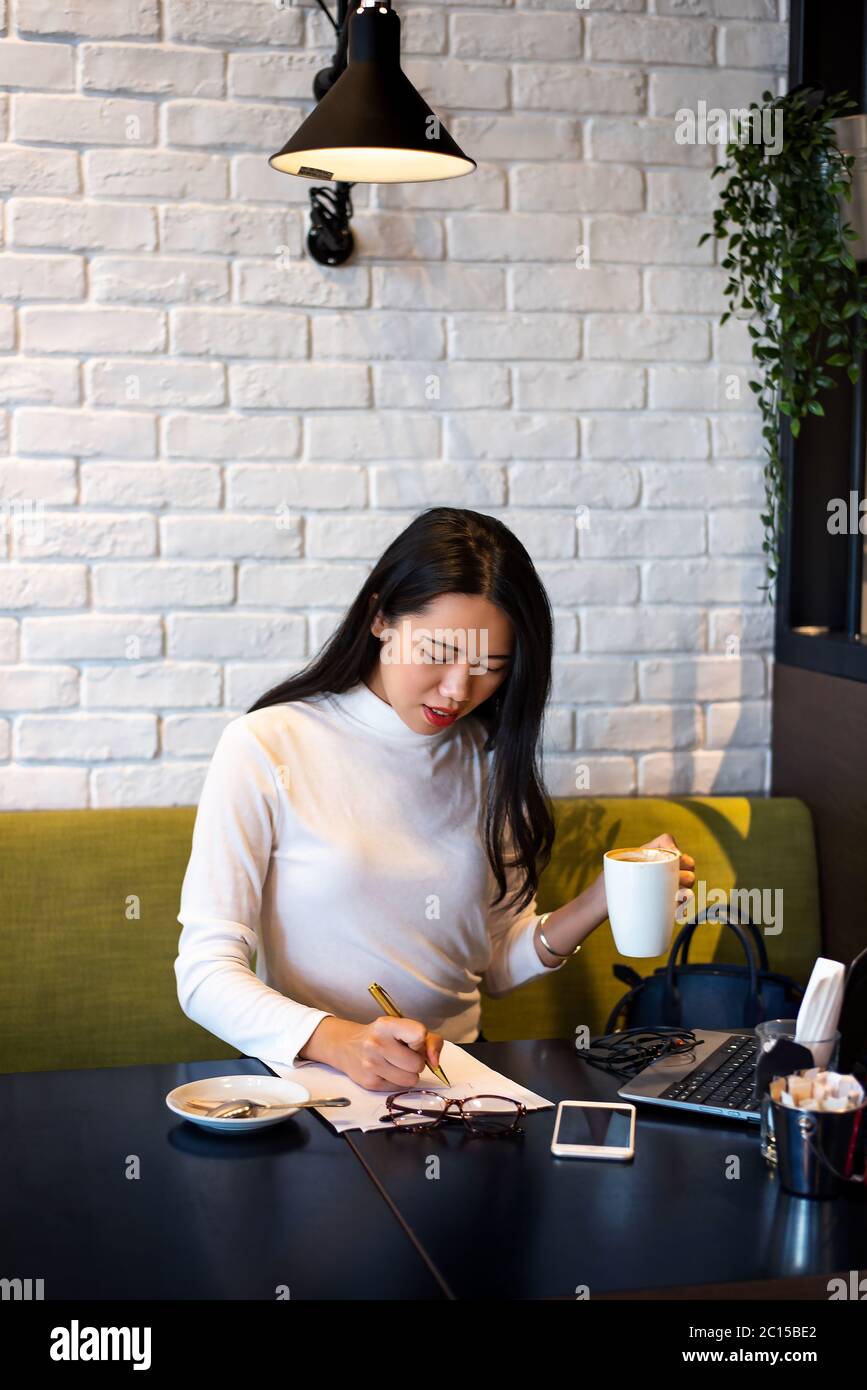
342 848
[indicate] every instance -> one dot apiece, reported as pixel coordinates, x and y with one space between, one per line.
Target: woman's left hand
687 863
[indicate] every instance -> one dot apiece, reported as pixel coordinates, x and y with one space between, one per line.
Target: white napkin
820 1008
467 1074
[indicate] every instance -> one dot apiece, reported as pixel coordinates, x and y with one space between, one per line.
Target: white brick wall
209 439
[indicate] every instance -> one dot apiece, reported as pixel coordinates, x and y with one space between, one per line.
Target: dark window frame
819 583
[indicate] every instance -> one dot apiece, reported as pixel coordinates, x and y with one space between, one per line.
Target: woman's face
449 657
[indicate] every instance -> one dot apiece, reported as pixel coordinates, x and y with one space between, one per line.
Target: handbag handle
622 1005
755 936
671 994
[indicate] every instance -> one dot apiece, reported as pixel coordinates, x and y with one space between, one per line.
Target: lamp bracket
326 77
330 240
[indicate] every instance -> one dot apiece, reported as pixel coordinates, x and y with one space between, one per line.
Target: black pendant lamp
371 125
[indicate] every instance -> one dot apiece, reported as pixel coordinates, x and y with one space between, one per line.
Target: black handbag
717 996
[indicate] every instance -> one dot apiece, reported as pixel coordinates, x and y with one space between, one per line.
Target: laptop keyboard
723 1080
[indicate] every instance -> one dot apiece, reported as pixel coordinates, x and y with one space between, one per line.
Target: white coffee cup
641 887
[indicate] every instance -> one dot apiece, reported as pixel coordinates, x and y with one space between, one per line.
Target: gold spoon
240 1109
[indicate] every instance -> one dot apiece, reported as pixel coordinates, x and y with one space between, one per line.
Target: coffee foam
643 856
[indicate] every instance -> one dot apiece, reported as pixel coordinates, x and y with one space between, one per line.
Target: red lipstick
439 721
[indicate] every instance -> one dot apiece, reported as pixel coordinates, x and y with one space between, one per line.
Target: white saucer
270 1090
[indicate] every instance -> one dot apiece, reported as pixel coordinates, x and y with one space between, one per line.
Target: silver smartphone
594 1129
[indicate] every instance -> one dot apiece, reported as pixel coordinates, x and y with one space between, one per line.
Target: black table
506 1219
208 1217
362 1216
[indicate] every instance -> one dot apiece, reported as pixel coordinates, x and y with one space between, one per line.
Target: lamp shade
372 126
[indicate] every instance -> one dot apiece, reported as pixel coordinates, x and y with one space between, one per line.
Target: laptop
713 1078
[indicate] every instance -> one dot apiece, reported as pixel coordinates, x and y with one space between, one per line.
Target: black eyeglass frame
443 1114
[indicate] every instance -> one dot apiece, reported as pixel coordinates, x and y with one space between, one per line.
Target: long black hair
453 550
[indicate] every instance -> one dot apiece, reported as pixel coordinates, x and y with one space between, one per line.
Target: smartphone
594 1129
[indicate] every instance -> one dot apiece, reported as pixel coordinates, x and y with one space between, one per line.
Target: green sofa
89 919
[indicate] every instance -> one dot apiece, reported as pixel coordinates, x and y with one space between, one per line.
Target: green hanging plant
791 272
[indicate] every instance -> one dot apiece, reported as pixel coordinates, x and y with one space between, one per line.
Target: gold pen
391 1008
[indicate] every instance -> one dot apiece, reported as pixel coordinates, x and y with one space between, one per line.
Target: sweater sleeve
220 907
514 959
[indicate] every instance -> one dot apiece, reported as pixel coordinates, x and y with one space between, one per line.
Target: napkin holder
781 1059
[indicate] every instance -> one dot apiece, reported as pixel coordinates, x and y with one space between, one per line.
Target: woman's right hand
388 1054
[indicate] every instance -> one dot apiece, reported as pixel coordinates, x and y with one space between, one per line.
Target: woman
381 817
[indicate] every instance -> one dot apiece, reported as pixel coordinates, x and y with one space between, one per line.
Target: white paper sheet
467 1074
820 1008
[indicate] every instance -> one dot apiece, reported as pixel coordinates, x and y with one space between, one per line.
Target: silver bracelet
564 955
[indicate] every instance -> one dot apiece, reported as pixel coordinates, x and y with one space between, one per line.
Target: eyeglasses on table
489 1116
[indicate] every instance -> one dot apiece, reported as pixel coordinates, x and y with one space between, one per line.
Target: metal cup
825 1053
816 1148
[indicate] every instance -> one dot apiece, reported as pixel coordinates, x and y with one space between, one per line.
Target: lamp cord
325 10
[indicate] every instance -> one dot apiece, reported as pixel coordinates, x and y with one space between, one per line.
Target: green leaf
790 268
